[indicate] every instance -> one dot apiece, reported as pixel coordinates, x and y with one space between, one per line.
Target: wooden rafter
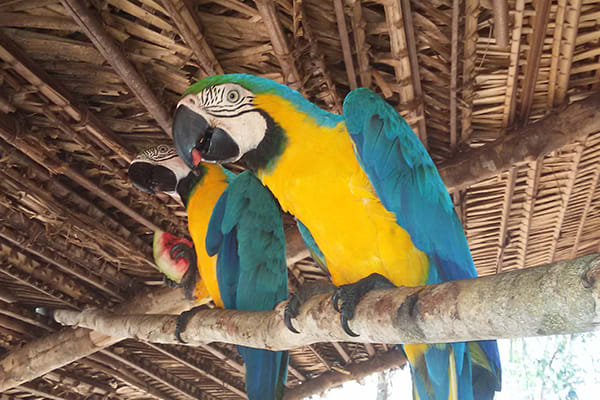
100 361
508 114
411 45
54 166
575 122
542 13
161 375
533 179
470 57
343 31
268 13
572 13
503 239
91 23
500 10
566 193
586 208
391 359
190 29
360 43
454 73
191 365
56 93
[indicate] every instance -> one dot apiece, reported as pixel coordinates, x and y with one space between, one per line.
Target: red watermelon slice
163 243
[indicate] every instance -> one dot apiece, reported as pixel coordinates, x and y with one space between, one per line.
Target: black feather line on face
186 186
265 156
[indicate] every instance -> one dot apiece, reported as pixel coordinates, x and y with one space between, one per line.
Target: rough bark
53 351
383 362
575 122
558 298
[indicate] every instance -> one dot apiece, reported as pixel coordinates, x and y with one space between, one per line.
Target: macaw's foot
302 294
191 276
182 320
346 297
171 283
183 250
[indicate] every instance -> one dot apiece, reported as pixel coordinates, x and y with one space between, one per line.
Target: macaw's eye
233 96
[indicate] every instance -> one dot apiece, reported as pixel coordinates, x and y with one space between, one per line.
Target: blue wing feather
408 184
311 245
247 233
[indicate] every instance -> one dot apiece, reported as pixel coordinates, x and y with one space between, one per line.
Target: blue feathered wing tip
458 371
246 233
266 373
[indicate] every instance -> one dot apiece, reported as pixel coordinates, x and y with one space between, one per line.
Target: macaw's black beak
152 178
195 140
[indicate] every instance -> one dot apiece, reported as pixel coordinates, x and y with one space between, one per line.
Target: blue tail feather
266 373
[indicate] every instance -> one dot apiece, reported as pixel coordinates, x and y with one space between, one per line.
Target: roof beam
16 221
181 359
567 47
500 12
56 93
469 59
98 361
268 13
55 166
502 237
383 362
454 74
400 51
533 179
343 32
565 197
162 376
92 25
360 43
540 23
318 60
586 208
190 29
561 127
513 67
411 45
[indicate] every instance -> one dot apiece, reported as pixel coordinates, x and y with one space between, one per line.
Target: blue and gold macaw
239 258
367 190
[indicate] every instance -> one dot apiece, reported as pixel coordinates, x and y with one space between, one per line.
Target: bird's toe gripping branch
182 320
346 297
191 276
302 294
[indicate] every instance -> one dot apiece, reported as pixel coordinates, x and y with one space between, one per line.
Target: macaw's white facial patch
247 130
230 107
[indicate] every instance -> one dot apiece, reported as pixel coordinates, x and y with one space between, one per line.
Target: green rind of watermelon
161 248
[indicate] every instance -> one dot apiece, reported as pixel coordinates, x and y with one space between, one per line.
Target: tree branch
558 298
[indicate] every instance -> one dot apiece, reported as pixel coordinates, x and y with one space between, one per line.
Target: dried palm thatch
84 85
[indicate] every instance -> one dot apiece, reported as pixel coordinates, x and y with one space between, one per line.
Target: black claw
171 283
303 293
347 329
182 320
288 322
335 300
180 250
346 297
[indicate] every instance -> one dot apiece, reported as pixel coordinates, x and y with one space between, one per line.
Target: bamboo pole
557 298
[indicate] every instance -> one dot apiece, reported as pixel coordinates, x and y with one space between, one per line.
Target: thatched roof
84 86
